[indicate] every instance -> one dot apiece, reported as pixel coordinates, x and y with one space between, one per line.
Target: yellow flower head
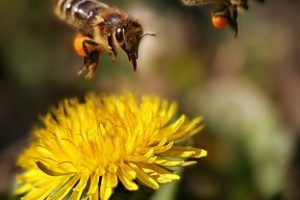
84 149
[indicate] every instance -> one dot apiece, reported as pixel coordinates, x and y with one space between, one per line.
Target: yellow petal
127 182
144 178
141 158
197 153
93 185
38 194
193 132
105 188
78 190
171 129
188 130
62 192
126 169
159 174
23 188
42 193
94 196
185 152
49 171
111 179
165 148
173 163
169 112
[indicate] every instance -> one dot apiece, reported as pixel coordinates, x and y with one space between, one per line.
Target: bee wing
203 2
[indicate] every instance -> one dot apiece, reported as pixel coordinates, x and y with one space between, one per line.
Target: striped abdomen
77 12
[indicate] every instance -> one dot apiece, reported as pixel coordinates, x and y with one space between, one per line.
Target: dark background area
246 88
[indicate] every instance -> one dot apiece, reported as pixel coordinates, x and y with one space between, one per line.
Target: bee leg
233 20
112 52
90 42
90 59
225 12
90 63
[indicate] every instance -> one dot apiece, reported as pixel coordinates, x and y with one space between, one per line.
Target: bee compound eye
119 34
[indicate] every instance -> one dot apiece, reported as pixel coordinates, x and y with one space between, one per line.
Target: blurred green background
246 88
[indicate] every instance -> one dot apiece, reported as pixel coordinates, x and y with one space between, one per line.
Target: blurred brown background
246 88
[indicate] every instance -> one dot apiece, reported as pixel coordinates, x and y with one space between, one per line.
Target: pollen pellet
78 45
219 21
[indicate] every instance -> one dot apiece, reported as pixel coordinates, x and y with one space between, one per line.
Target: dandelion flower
85 149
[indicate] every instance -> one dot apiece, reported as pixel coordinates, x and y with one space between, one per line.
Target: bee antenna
148 34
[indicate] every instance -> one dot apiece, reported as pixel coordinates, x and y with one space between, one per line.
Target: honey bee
101 29
227 13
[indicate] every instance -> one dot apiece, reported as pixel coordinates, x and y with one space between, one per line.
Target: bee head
128 36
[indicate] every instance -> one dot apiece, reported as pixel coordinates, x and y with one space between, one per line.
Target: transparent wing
203 2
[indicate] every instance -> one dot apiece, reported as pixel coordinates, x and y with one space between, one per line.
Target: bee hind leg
225 12
91 57
233 21
90 64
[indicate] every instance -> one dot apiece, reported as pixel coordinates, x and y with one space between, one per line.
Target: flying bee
227 13
101 29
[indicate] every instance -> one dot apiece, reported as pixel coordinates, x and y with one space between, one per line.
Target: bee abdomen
76 11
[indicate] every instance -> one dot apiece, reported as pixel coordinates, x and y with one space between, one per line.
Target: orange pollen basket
219 21
78 45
